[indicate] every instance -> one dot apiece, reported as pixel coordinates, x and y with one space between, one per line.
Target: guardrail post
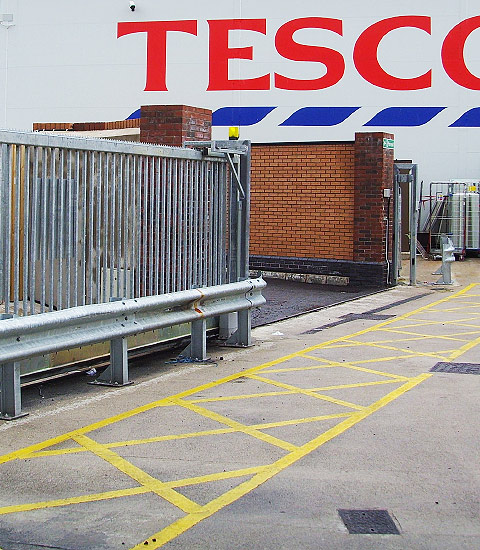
10 390
198 345
116 374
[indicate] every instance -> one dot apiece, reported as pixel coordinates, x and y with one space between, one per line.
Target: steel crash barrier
100 240
25 337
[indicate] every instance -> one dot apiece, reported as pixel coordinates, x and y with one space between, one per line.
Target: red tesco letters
365 53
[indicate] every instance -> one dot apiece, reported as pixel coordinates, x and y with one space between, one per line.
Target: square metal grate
368 522
457 368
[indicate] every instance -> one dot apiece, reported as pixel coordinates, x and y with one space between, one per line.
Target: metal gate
83 221
86 221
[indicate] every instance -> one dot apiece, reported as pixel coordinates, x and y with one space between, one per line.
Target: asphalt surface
290 298
267 447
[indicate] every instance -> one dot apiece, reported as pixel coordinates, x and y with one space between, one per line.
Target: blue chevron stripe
404 116
470 119
319 116
240 116
134 115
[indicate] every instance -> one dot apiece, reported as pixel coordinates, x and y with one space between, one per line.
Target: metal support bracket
10 391
242 337
227 326
236 174
197 349
116 374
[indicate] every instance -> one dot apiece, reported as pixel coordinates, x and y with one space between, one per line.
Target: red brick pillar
174 124
374 160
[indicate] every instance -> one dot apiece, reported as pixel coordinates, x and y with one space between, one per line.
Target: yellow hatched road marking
237 425
183 524
141 477
236 397
309 393
465 348
460 308
416 336
354 366
73 500
195 512
412 352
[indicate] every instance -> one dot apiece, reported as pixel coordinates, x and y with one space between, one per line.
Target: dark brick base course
371 274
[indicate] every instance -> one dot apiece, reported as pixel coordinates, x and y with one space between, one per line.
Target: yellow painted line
309 393
293 369
132 442
451 336
425 322
359 385
436 355
416 336
183 524
231 474
141 477
296 421
73 500
238 426
464 349
354 365
236 397
450 310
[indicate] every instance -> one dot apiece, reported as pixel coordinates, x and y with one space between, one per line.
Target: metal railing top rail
26 337
77 143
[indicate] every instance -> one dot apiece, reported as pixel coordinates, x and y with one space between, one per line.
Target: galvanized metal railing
85 220
26 337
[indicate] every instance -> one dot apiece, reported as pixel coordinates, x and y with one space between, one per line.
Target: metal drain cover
457 368
368 522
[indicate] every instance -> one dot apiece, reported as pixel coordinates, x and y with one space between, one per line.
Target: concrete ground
331 413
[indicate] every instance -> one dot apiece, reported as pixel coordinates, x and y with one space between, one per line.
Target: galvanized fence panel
83 221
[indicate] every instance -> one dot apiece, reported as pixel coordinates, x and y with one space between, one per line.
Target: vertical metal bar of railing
163 228
27 257
189 201
7 175
17 192
75 229
168 231
69 230
173 258
51 199
151 235
157 195
195 224
105 225
112 230
91 227
184 224
122 223
137 220
62 184
34 229
43 225
125 181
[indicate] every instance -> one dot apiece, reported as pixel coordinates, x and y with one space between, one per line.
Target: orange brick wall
303 200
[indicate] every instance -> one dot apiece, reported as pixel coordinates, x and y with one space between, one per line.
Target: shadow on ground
290 298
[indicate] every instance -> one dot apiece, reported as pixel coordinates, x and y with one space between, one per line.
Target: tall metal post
239 243
396 237
413 224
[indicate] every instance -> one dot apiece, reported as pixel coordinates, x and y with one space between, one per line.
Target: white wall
63 61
